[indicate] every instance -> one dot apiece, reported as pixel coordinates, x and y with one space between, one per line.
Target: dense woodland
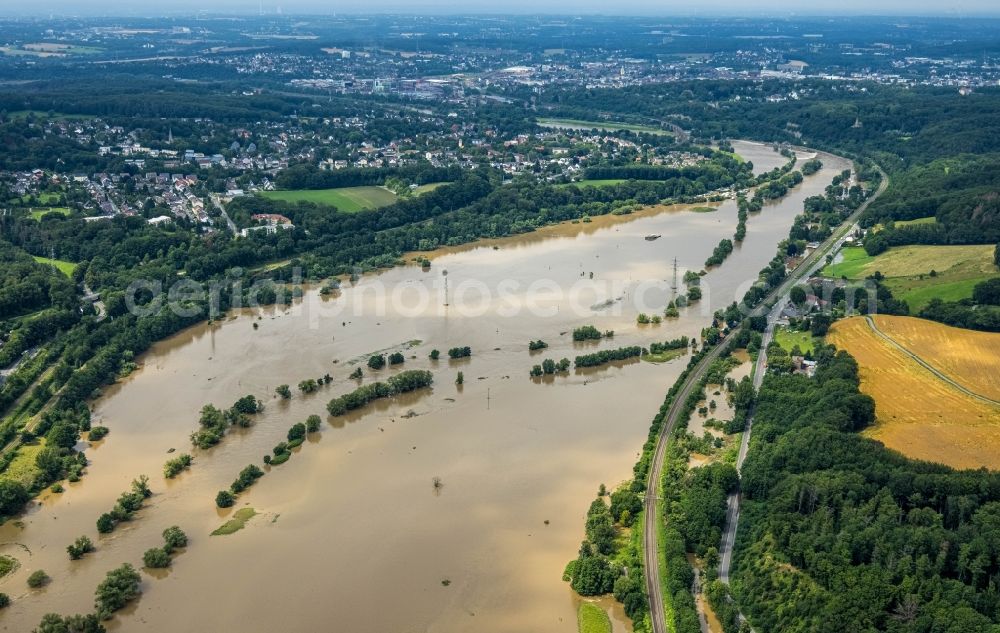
839 533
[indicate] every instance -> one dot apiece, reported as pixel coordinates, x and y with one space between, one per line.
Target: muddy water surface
352 534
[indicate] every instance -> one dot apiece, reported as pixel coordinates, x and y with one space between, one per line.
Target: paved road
225 216
808 267
939 374
771 306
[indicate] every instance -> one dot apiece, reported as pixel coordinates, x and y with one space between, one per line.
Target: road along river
352 534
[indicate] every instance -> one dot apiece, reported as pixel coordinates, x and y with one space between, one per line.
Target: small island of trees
402 382
590 333
607 356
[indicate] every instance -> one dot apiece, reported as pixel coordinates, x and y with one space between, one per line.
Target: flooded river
352 534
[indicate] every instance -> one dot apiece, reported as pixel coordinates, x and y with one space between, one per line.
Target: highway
771 306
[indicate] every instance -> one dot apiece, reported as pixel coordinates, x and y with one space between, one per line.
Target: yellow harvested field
917 413
970 358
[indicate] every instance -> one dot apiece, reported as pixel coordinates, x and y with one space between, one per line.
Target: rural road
937 373
218 205
772 307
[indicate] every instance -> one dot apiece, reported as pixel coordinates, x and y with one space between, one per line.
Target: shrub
38 579
120 586
156 558
97 433
313 423
356 374
297 432
55 623
435 354
224 499
376 362
460 352
81 546
284 391
174 466
174 537
105 523
396 359
4 601
246 478
586 333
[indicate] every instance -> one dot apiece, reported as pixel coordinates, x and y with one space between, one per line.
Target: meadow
918 414
790 338
64 267
917 274
607 126
347 199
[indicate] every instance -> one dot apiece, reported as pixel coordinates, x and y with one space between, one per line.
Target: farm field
917 413
610 126
957 269
970 358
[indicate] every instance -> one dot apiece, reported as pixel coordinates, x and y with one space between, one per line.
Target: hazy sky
629 7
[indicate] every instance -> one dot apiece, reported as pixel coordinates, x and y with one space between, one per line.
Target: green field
422 189
23 468
38 212
49 50
236 523
346 199
927 220
790 338
38 114
609 182
592 619
607 126
853 261
908 270
64 267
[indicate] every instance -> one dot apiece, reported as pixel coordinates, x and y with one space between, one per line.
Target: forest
839 533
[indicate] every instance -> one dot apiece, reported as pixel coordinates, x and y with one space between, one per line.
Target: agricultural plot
917 274
918 414
970 358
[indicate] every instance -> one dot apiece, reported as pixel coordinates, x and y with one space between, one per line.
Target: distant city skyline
563 7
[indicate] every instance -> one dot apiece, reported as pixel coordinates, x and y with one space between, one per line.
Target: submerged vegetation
128 504
214 423
235 524
402 382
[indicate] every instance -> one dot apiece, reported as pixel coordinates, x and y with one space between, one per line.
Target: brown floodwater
352 534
